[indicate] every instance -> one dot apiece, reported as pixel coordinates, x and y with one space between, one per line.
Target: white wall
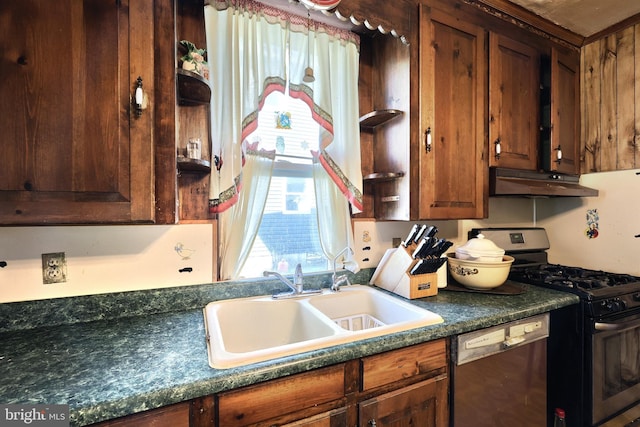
615 249
379 236
102 259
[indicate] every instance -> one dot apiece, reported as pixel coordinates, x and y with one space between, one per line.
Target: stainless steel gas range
593 348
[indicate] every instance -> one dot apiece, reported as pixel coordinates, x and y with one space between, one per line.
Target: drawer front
386 368
169 416
272 399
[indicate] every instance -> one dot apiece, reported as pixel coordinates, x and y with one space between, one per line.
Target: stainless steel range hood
513 182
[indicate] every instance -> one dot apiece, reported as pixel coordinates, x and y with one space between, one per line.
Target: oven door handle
603 326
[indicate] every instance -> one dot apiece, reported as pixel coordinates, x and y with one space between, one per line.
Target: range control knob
622 304
636 296
606 306
612 305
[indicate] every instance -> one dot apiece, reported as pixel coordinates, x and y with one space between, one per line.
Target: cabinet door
423 404
335 418
565 112
73 149
453 99
513 107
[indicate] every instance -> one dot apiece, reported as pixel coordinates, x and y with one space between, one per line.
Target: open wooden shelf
193 89
186 164
378 117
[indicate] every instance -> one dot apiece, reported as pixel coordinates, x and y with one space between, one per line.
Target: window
254 49
288 232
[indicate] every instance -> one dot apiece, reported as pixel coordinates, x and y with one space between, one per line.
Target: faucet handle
297 276
339 281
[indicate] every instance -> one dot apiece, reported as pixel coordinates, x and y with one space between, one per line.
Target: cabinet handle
498 148
558 154
138 97
427 143
372 423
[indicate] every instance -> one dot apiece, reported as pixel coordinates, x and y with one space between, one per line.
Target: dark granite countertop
110 366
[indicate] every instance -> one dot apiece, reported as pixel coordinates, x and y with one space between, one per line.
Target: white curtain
240 227
247 53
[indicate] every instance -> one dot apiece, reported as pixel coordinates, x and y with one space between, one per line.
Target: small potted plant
195 59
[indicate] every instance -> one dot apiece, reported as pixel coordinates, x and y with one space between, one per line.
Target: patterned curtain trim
295 22
350 191
229 197
301 92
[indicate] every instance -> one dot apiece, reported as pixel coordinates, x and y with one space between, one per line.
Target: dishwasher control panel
486 342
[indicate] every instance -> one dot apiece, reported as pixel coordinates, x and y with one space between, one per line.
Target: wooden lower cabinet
334 418
405 387
423 404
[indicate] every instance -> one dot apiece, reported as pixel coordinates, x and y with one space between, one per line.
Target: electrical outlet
54 268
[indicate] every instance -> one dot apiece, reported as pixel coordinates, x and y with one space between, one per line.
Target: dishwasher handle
513 341
487 342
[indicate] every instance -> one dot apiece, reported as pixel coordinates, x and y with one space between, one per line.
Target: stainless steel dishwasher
499 375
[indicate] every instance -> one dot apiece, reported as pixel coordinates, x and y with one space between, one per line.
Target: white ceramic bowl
480 249
479 275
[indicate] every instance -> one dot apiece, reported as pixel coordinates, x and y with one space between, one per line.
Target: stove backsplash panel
596 232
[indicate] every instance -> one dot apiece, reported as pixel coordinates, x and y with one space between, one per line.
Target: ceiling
583 17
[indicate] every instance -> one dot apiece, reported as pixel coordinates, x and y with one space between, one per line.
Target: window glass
288 233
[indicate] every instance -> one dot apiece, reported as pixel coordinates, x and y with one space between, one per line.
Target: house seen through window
288 233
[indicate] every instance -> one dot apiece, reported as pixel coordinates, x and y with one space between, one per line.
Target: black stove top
603 293
580 280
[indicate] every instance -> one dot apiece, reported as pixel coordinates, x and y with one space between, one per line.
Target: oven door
616 366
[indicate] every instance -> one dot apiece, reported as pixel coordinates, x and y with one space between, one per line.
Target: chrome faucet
337 281
297 287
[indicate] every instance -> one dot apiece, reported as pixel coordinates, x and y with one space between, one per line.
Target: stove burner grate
560 276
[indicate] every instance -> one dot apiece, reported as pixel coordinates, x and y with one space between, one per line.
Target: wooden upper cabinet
453 120
514 82
565 114
73 149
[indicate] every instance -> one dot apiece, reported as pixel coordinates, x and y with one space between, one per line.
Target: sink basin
249 330
256 324
360 308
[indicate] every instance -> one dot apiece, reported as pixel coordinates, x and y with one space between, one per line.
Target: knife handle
418 249
416 267
420 233
429 242
410 236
